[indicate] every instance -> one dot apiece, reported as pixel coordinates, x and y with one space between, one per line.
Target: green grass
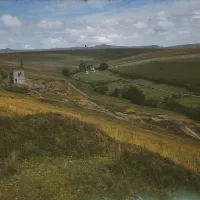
51 63
155 54
116 104
190 102
48 153
151 90
96 77
175 72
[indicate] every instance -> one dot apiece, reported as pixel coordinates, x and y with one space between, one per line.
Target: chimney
21 63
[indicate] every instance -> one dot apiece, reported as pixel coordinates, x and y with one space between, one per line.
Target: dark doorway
15 80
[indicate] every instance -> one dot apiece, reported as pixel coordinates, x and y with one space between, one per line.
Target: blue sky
30 24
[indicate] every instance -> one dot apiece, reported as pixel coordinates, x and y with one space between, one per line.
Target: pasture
184 72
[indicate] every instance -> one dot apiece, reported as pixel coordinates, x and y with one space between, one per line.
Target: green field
185 73
156 54
190 102
96 77
51 63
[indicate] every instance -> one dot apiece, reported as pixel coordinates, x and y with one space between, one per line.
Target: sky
43 24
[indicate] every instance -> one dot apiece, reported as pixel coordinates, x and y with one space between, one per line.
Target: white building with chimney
16 74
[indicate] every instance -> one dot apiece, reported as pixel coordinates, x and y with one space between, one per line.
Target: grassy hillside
184 72
61 151
51 63
156 54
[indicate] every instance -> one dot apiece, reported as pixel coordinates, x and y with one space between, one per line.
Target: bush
70 71
101 89
151 103
103 66
3 75
18 88
134 95
66 72
82 66
116 92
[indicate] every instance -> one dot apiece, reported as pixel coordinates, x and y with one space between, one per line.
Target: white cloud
140 25
27 46
156 23
50 24
151 31
196 15
103 40
183 32
161 16
72 32
134 36
10 21
166 24
54 42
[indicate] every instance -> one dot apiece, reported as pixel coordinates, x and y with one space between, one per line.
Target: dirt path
76 89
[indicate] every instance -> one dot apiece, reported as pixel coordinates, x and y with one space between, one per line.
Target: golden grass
179 150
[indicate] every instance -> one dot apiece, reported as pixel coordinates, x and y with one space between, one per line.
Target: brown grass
156 54
175 148
67 152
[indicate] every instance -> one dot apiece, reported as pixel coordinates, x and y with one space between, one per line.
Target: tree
101 89
134 94
66 72
82 66
116 92
103 66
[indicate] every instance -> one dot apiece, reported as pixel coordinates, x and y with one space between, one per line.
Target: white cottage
17 75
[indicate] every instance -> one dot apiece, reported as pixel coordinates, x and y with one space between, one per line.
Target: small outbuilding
16 75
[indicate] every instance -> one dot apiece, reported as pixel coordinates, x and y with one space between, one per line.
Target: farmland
183 72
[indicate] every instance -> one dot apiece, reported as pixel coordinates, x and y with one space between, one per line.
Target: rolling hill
59 148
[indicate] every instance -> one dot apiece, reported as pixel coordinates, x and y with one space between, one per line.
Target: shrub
18 88
116 92
3 75
151 103
101 89
82 66
103 66
134 95
66 72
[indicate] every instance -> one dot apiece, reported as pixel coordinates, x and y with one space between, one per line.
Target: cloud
103 39
196 15
10 21
27 46
155 23
166 24
44 24
161 16
140 25
184 32
55 42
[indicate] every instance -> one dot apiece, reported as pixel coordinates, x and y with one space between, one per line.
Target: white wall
20 79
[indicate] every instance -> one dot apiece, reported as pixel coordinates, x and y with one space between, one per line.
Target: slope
61 151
